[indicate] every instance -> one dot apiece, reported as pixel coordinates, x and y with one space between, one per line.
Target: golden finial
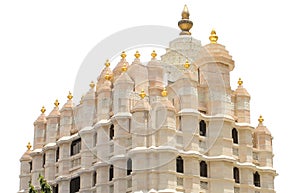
43 110
185 24
153 54
56 103
137 54
213 37
186 64
107 63
107 76
260 119
123 55
185 13
124 67
142 94
164 93
28 146
70 96
92 85
240 82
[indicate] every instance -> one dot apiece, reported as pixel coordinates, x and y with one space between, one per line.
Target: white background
42 45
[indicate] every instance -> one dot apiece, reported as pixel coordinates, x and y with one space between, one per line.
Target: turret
118 70
53 120
241 103
26 167
40 130
66 117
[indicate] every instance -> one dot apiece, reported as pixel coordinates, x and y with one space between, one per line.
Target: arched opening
129 167
202 128
235 136
236 175
111 132
179 164
94 180
203 169
256 179
111 173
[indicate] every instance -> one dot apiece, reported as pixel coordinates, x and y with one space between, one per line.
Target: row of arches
236 177
180 167
128 170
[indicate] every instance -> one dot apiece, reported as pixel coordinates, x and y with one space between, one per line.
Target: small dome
117 71
241 91
261 129
105 72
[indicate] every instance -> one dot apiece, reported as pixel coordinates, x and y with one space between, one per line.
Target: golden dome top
56 103
28 146
185 24
123 55
153 54
240 82
260 119
142 94
43 109
186 64
164 93
92 84
70 96
107 63
137 54
213 37
124 67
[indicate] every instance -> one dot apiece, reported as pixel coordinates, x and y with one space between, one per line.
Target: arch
111 173
235 136
203 169
202 128
236 175
111 132
179 165
256 179
129 167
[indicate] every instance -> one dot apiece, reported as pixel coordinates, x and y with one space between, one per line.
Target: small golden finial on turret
186 64
260 119
124 68
164 93
213 37
153 54
240 82
142 94
123 55
56 103
28 146
137 54
185 24
107 76
92 85
43 110
70 96
107 63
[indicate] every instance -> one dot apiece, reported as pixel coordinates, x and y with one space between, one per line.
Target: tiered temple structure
172 125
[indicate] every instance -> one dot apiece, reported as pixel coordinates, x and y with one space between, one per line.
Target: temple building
171 125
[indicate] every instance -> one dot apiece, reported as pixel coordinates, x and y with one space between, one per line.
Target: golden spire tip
142 94
164 93
185 24
213 36
43 110
124 67
56 103
153 54
260 119
186 64
70 96
107 63
28 146
240 82
185 13
137 54
123 55
92 84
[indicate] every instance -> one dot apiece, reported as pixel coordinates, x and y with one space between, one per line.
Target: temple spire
185 24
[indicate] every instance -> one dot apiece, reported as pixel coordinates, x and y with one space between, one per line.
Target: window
44 160
30 166
179 164
129 166
111 172
256 179
95 140
55 188
202 128
179 124
75 185
236 175
75 147
94 179
235 136
111 132
57 154
203 169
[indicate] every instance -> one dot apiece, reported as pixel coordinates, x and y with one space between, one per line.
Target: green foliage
45 187
31 188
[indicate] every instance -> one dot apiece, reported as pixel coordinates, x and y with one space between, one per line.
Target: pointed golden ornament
28 146
70 96
260 119
240 82
153 54
213 37
124 68
137 54
186 64
164 93
92 84
123 55
142 94
43 110
107 63
56 103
